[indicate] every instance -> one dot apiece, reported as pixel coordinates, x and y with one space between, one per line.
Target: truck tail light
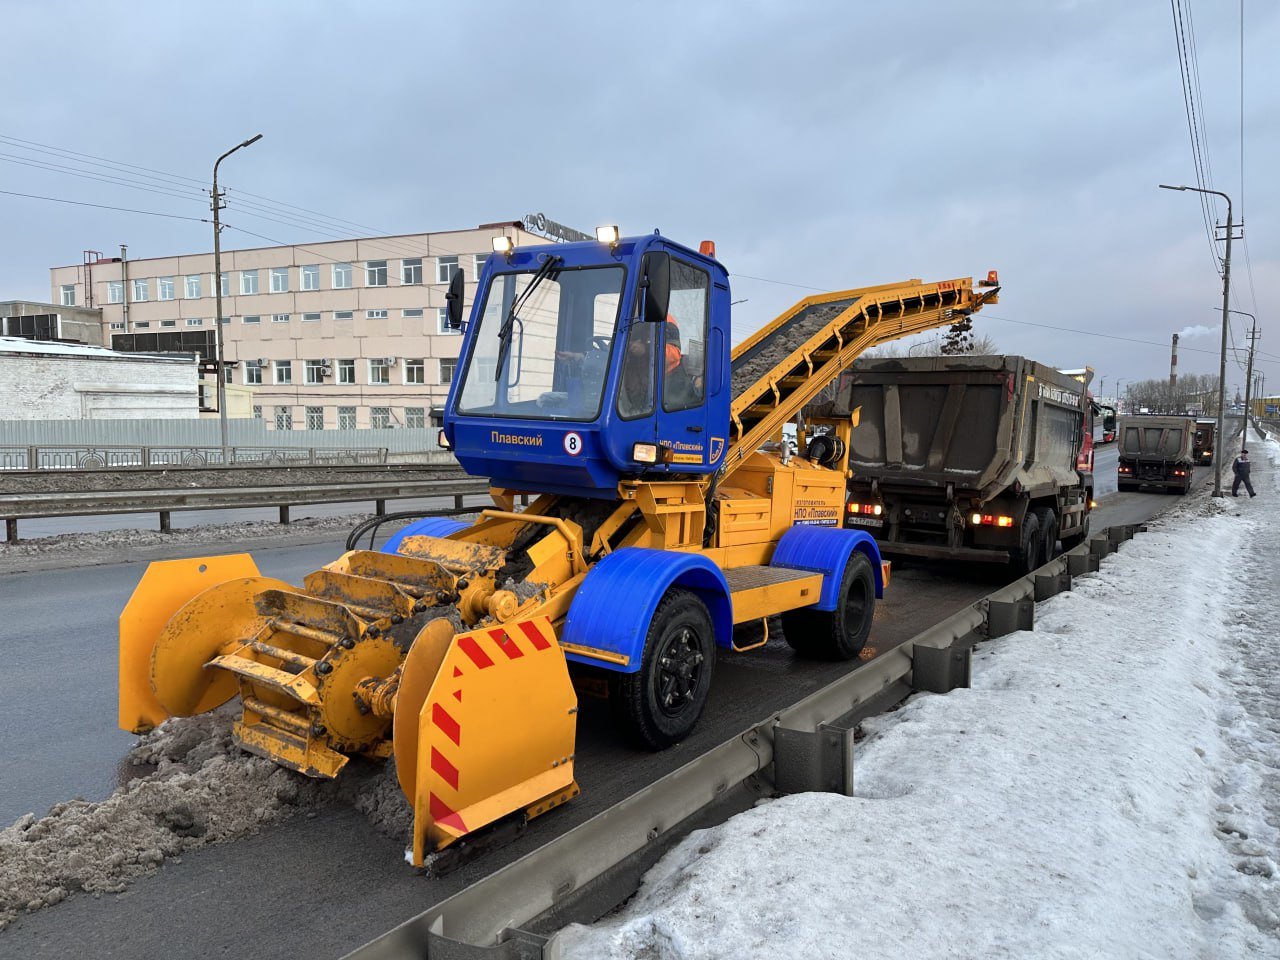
870 509
991 520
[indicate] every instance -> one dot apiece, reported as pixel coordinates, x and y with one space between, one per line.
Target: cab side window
635 392
684 338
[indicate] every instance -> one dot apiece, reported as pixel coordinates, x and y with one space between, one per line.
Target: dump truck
595 378
1203 444
1156 451
972 458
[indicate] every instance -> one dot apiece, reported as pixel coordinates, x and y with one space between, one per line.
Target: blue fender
615 604
426 527
826 550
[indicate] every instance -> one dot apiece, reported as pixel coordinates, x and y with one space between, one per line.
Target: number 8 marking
572 444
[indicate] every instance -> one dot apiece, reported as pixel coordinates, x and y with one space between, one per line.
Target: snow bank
203 789
1109 787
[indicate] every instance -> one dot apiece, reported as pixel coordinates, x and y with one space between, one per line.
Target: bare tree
1194 393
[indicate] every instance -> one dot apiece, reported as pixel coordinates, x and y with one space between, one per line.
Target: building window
315 418
253 373
168 323
192 287
479 264
115 291
251 319
346 371
447 368
284 371
141 291
248 282
343 315
446 267
346 418
379 371
279 318
415 417
341 276
279 279
310 317
375 273
142 326
226 285
257 411
164 288
309 276
117 325
316 370
411 313
415 371
442 322
284 418
194 322
380 417
375 314
68 294
411 271
226 373
226 320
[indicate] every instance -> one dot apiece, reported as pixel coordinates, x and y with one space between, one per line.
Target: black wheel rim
680 664
855 608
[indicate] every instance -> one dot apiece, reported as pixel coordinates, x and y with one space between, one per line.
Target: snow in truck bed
1108 787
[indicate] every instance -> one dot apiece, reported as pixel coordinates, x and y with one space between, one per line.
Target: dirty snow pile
1108 787
196 788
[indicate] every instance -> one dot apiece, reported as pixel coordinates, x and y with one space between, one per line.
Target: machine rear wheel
660 703
838 634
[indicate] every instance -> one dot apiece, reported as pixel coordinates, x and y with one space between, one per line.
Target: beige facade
336 334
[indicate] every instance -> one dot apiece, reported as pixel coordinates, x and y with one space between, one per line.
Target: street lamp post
1119 393
1222 359
217 290
1248 377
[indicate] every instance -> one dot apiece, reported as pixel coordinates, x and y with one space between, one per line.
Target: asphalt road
323 886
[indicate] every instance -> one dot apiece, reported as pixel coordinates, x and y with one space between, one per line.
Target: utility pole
1222 357
218 204
124 286
1248 377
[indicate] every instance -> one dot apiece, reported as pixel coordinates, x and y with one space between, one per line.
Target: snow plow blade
494 733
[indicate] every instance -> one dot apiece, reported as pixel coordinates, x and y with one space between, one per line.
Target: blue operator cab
587 363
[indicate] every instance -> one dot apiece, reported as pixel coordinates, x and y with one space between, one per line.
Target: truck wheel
660 703
1027 557
1048 521
838 634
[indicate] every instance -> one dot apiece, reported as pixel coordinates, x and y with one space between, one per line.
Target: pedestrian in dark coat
1241 469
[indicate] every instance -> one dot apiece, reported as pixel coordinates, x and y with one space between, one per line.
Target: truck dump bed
972 424
1162 439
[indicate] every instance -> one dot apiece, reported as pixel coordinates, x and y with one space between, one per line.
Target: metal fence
115 444
102 457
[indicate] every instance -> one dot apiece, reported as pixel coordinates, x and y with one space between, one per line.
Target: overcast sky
828 145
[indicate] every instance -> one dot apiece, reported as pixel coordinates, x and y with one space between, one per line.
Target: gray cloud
822 144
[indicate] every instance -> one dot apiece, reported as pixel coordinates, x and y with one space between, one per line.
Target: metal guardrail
15 507
119 456
589 870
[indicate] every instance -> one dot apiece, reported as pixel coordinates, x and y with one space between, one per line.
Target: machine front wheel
660 703
838 634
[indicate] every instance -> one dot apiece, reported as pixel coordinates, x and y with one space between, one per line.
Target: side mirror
656 284
453 301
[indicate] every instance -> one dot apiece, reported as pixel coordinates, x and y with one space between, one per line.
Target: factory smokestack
1173 363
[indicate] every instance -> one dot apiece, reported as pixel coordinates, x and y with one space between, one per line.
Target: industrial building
337 334
46 380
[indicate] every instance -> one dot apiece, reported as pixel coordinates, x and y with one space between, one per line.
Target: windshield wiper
508 325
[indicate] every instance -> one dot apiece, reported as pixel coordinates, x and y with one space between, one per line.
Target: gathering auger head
419 657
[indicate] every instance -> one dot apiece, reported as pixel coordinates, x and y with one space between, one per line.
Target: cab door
686 343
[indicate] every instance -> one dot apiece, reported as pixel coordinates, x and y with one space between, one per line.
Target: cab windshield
557 343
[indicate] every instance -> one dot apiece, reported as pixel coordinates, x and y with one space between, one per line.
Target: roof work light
608 235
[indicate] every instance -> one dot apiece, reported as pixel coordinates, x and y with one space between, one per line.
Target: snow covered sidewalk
1109 787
